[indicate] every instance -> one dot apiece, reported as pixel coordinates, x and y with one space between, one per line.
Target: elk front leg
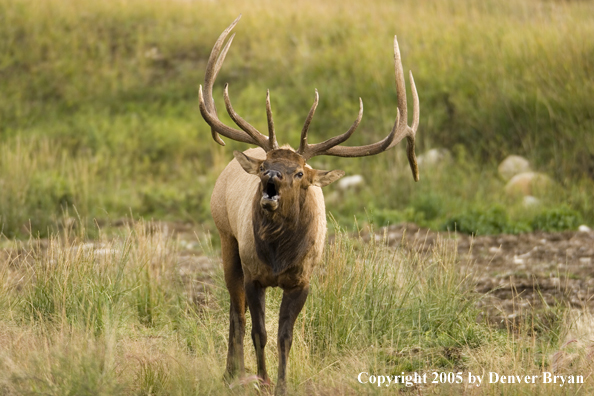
256 299
234 282
293 301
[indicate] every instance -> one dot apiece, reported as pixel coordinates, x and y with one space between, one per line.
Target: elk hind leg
234 281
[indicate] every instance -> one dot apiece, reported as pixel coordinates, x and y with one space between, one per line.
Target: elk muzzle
270 190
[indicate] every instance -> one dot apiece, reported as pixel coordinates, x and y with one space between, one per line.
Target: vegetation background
98 103
99 120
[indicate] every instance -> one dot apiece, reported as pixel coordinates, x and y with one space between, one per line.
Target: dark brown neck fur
283 238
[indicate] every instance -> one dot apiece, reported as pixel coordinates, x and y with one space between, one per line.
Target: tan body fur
231 207
270 213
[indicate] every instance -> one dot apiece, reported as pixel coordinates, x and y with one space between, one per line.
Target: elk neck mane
283 238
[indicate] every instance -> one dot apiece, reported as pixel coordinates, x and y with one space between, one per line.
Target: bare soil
516 273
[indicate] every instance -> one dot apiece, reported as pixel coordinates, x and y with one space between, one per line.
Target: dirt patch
516 272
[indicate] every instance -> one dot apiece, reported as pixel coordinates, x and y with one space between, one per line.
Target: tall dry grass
117 316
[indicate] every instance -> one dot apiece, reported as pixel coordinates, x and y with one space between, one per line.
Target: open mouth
269 201
270 191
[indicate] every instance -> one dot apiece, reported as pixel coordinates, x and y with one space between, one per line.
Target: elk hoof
265 382
231 376
281 389
251 380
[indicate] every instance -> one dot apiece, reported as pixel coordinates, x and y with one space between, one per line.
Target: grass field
98 102
99 122
116 316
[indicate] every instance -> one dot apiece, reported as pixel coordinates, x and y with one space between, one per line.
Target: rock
434 158
513 165
518 260
154 54
349 182
530 202
584 228
332 198
528 183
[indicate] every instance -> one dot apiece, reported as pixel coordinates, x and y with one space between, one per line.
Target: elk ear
249 164
322 178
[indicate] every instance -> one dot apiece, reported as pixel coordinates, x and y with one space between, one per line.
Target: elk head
284 176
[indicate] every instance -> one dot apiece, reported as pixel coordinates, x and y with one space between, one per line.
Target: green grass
116 316
98 101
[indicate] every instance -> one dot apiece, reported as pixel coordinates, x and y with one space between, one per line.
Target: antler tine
243 124
399 130
272 143
217 126
413 88
400 87
318 148
303 146
212 70
412 131
404 130
206 101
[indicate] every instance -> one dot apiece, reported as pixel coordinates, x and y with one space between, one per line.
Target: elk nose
273 174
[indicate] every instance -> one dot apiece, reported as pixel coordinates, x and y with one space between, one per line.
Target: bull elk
269 210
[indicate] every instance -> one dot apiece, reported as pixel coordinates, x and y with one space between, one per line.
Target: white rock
528 183
346 183
530 202
517 260
584 228
513 165
434 158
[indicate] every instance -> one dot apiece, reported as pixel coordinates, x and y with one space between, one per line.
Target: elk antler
399 130
248 134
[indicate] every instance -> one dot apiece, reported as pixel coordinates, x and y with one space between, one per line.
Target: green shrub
557 219
494 220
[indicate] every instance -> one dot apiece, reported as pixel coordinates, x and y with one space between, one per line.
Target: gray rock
530 202
434 158
513 165
350 182
528 184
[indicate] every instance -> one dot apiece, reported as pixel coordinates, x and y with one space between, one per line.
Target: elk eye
261 168
299 174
